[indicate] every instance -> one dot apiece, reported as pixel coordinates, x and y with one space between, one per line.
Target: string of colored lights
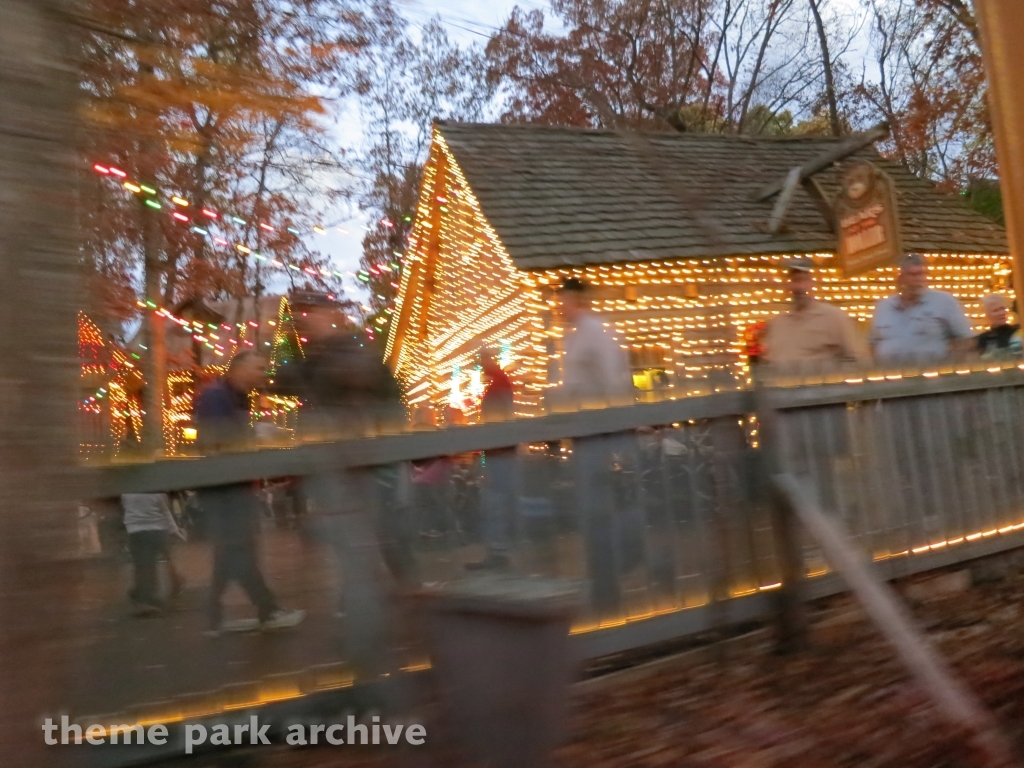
210 215
203 332
685 318
109 363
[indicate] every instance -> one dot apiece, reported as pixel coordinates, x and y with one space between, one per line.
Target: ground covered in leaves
847 701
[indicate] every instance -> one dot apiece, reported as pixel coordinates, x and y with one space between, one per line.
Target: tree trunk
37 401
826 63
154 367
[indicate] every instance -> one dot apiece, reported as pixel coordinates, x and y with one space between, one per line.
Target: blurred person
222 419
595 369
918 323
222 408
347 391
88 532
1002 337
596 372
812 331
431 481
500 486
150 522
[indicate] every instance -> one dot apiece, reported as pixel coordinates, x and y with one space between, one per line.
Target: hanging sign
869 232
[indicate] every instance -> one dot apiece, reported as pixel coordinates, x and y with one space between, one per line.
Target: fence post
790 616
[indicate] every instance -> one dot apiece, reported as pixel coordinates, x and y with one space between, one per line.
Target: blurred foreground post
1001 24
791 617
38 359
500 650
954 701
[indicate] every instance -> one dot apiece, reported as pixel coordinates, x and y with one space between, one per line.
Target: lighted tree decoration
287 346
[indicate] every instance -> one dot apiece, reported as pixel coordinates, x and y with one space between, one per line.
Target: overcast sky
467 21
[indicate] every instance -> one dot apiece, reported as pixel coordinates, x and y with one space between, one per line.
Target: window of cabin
652 369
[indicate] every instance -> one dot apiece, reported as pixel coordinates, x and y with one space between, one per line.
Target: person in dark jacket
1002 337
347 391
345 388
222 419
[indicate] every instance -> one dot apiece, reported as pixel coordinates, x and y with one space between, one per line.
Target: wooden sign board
869 231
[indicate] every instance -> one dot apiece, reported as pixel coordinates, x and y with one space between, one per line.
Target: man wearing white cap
812 331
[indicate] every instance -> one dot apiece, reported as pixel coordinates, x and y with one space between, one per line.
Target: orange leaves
222 103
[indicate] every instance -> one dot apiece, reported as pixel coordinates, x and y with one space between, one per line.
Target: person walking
595 369
919 324
222 420
150 522
596 373
812 332
1002 337
347 391
500 476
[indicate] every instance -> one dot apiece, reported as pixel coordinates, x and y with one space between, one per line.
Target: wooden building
670 231
109 386
200 339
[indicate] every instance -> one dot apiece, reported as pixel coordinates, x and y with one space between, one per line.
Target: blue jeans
500 494
601 506
234 519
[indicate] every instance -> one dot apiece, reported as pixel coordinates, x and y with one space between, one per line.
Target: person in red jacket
498 400
500 489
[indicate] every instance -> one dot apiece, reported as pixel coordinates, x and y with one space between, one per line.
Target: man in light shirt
595 369
812 331
596 373
918 324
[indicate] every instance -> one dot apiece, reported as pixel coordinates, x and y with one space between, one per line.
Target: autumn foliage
223 104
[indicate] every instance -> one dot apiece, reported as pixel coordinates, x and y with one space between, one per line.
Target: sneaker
283 619
493 562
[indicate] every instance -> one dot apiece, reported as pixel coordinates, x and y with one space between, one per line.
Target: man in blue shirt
222 419
918 324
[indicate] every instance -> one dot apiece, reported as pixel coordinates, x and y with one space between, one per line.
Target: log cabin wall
691 314
459 293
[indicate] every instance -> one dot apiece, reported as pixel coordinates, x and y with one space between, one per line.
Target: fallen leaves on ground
847 701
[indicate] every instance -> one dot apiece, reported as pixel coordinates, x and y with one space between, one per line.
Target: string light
112 365
213 215
179 200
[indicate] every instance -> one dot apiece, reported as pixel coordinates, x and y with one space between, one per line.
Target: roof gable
570 196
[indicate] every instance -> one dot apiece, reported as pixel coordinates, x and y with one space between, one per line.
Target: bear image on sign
868 221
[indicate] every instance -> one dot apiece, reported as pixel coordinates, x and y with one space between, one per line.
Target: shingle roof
570 196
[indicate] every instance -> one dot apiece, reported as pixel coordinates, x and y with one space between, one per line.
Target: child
149 520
